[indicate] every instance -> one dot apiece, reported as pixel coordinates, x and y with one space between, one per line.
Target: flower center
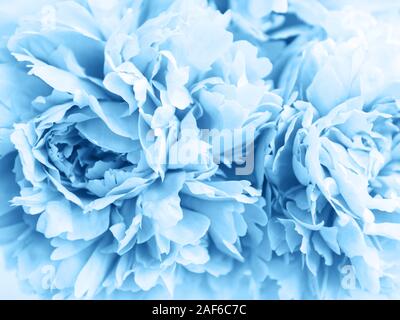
78 160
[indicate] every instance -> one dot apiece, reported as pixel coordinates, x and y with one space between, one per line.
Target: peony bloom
114 190
333 176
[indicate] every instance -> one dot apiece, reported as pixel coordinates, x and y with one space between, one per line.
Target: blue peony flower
333 175
115 192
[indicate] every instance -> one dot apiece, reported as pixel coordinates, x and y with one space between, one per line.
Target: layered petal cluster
115 192
255 18
333 177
